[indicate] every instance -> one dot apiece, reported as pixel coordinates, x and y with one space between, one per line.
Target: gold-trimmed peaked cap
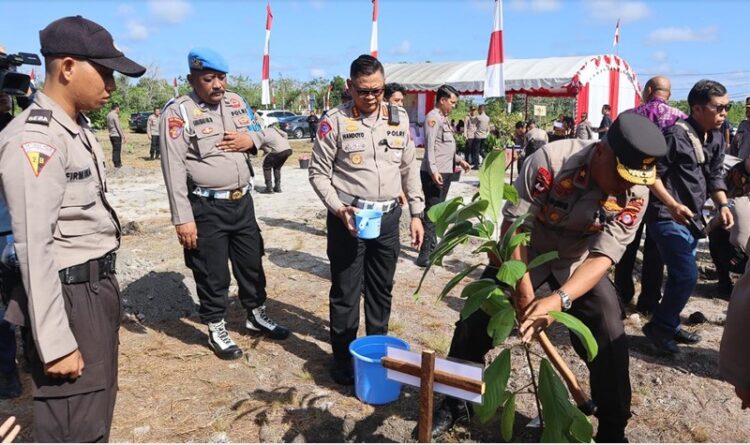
637 143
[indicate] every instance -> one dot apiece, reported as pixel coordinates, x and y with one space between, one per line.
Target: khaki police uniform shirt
113 125
270 140
152 125
483 126
188 149
440 144
53 178
470 126
734 359
569 214
367 158
584 131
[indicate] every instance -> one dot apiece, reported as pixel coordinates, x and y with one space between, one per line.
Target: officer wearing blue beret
205 142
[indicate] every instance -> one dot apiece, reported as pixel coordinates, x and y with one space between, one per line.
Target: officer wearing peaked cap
585 201
204 143
53 176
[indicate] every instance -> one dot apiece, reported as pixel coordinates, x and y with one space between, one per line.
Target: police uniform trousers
652 272
116 150
274 161
80 410
433 195
227 230
356 262
600 310
155 151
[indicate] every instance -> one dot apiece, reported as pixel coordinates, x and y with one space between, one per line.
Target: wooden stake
456 381
426 380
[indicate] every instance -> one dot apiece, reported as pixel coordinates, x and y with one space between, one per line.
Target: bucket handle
363 222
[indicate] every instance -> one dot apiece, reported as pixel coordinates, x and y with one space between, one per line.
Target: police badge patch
38 155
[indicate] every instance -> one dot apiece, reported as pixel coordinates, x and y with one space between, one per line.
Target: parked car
138 121
296 127
268 117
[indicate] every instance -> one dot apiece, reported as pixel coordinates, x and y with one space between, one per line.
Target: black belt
81 273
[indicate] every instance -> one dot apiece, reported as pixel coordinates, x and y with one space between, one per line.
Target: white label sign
540 110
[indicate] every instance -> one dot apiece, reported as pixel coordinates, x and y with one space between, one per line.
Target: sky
684 40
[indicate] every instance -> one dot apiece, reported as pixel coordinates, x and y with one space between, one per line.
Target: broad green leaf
510 232
563 422
496 379
445 247
510 272
476 297
455 280
501 324
507 419
543 258
474 210
462 228
482 285
491 182
445 215
515 241
437 211
497 302
487 246
486 229
580 330
510 193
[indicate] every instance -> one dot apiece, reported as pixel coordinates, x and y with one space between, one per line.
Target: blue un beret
207 59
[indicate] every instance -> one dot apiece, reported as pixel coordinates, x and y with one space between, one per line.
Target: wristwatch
564 297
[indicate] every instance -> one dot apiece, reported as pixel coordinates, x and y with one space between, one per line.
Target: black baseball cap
637 143
80 37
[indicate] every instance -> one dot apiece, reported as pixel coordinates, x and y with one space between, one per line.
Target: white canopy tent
592 80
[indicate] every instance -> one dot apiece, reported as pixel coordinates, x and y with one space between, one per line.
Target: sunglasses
720 108
361 92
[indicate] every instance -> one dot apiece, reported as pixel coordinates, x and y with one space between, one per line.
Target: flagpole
374 34
265 73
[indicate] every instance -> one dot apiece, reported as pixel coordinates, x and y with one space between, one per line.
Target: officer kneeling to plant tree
584 200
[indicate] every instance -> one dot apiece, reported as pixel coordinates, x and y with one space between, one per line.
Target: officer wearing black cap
585 201
66 234
204 140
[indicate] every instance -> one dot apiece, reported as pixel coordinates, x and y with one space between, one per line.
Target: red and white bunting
374 35
494 83
265 78
616 41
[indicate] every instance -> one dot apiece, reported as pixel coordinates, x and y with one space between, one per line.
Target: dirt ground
173 389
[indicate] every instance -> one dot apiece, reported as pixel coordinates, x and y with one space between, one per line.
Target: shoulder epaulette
39 116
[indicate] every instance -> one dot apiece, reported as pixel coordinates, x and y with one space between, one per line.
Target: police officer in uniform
586 200
363 158
66 234
204 139
438 164
274 142
152 128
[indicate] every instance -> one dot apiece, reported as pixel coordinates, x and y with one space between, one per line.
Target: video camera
12 82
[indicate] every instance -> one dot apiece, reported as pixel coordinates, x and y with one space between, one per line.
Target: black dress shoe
343 373
662 339
10 385
686 337
448 413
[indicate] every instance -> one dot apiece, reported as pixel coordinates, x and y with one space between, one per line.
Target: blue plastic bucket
370 382
368 223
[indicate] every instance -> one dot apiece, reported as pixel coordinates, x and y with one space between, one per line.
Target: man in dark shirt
690 171
312 123
606 121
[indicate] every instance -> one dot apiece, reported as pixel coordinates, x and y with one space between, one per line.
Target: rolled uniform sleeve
533 185
618 232
430 135
173 160
34 200
410 181
321 165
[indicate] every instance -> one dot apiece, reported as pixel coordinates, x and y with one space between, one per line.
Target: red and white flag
265 78
328 96
494 83
32 77
176 90
616 41
374 35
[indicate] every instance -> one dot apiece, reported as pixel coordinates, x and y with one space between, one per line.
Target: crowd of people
588 199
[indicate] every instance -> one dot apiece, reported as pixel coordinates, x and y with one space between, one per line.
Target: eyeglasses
720 108
362 92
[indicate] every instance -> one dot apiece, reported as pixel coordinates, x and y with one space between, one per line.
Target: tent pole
526 108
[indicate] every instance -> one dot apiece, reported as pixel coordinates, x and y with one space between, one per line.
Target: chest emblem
197 112
207 130
356 158
564 187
